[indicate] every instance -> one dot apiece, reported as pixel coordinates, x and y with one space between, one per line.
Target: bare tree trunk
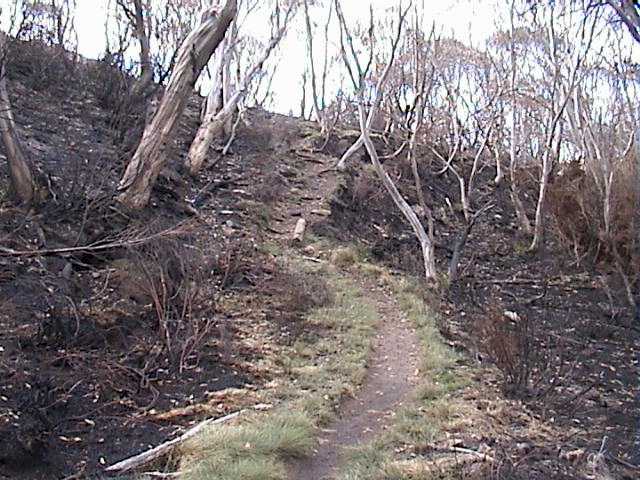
149 158
215 123
521 213
215 101
539 226
426 243
303 100
146 67
314 84
22 180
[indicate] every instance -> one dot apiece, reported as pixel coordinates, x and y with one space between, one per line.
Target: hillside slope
98 360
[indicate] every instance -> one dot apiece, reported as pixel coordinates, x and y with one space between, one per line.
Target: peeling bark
150 157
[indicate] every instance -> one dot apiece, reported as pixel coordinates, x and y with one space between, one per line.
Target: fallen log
298 232
143 458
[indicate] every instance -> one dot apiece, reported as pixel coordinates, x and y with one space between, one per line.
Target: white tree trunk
538 231
214 123
22 180
149 159
214 100
426 243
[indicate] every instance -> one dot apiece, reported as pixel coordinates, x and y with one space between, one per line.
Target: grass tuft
318 369
421 422
345 257
252 450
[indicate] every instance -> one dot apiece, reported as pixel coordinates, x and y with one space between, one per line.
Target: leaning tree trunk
150 157
22 180
214 102
426 243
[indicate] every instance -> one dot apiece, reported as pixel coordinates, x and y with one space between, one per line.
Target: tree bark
150 157
146 67
214 123
22 179
426 243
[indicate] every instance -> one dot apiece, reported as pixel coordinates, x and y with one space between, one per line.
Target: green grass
255 449
318 370
325 368
422 421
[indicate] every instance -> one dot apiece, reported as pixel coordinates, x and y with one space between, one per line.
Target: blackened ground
584 342
85 378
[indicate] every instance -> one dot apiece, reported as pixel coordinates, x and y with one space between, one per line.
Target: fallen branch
143 458
99 246
298 232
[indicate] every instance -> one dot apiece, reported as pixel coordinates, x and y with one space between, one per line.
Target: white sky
465 19
461 17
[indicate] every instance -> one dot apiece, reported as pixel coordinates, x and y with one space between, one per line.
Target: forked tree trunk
22 179
426 243
150 157
215 122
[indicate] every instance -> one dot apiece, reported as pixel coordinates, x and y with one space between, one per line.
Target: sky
463 18
468 20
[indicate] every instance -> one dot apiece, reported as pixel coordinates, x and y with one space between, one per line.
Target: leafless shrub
531 366
172 275
40 66
579 211
273 188
295 293
508 340
111 84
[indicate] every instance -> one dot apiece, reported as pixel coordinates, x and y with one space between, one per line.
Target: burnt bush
577 203
533 364
168 278
111 84
40 66
296 293
507 339
272 188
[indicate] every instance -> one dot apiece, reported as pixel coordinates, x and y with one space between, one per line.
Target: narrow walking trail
390 381
393 365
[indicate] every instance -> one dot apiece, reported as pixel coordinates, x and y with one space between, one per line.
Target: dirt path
393 364
389 383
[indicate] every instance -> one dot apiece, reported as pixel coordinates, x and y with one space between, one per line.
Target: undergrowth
323 365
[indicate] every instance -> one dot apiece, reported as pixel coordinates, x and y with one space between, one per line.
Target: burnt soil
585 339
84 380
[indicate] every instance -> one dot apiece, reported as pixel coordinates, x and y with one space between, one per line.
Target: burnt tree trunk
146 67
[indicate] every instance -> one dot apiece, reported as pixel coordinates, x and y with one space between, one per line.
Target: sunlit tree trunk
215 123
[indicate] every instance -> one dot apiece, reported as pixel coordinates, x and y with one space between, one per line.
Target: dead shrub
532 364
298 292
576 203
40 66
366 187
507 339
110 83
172 276
272 188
